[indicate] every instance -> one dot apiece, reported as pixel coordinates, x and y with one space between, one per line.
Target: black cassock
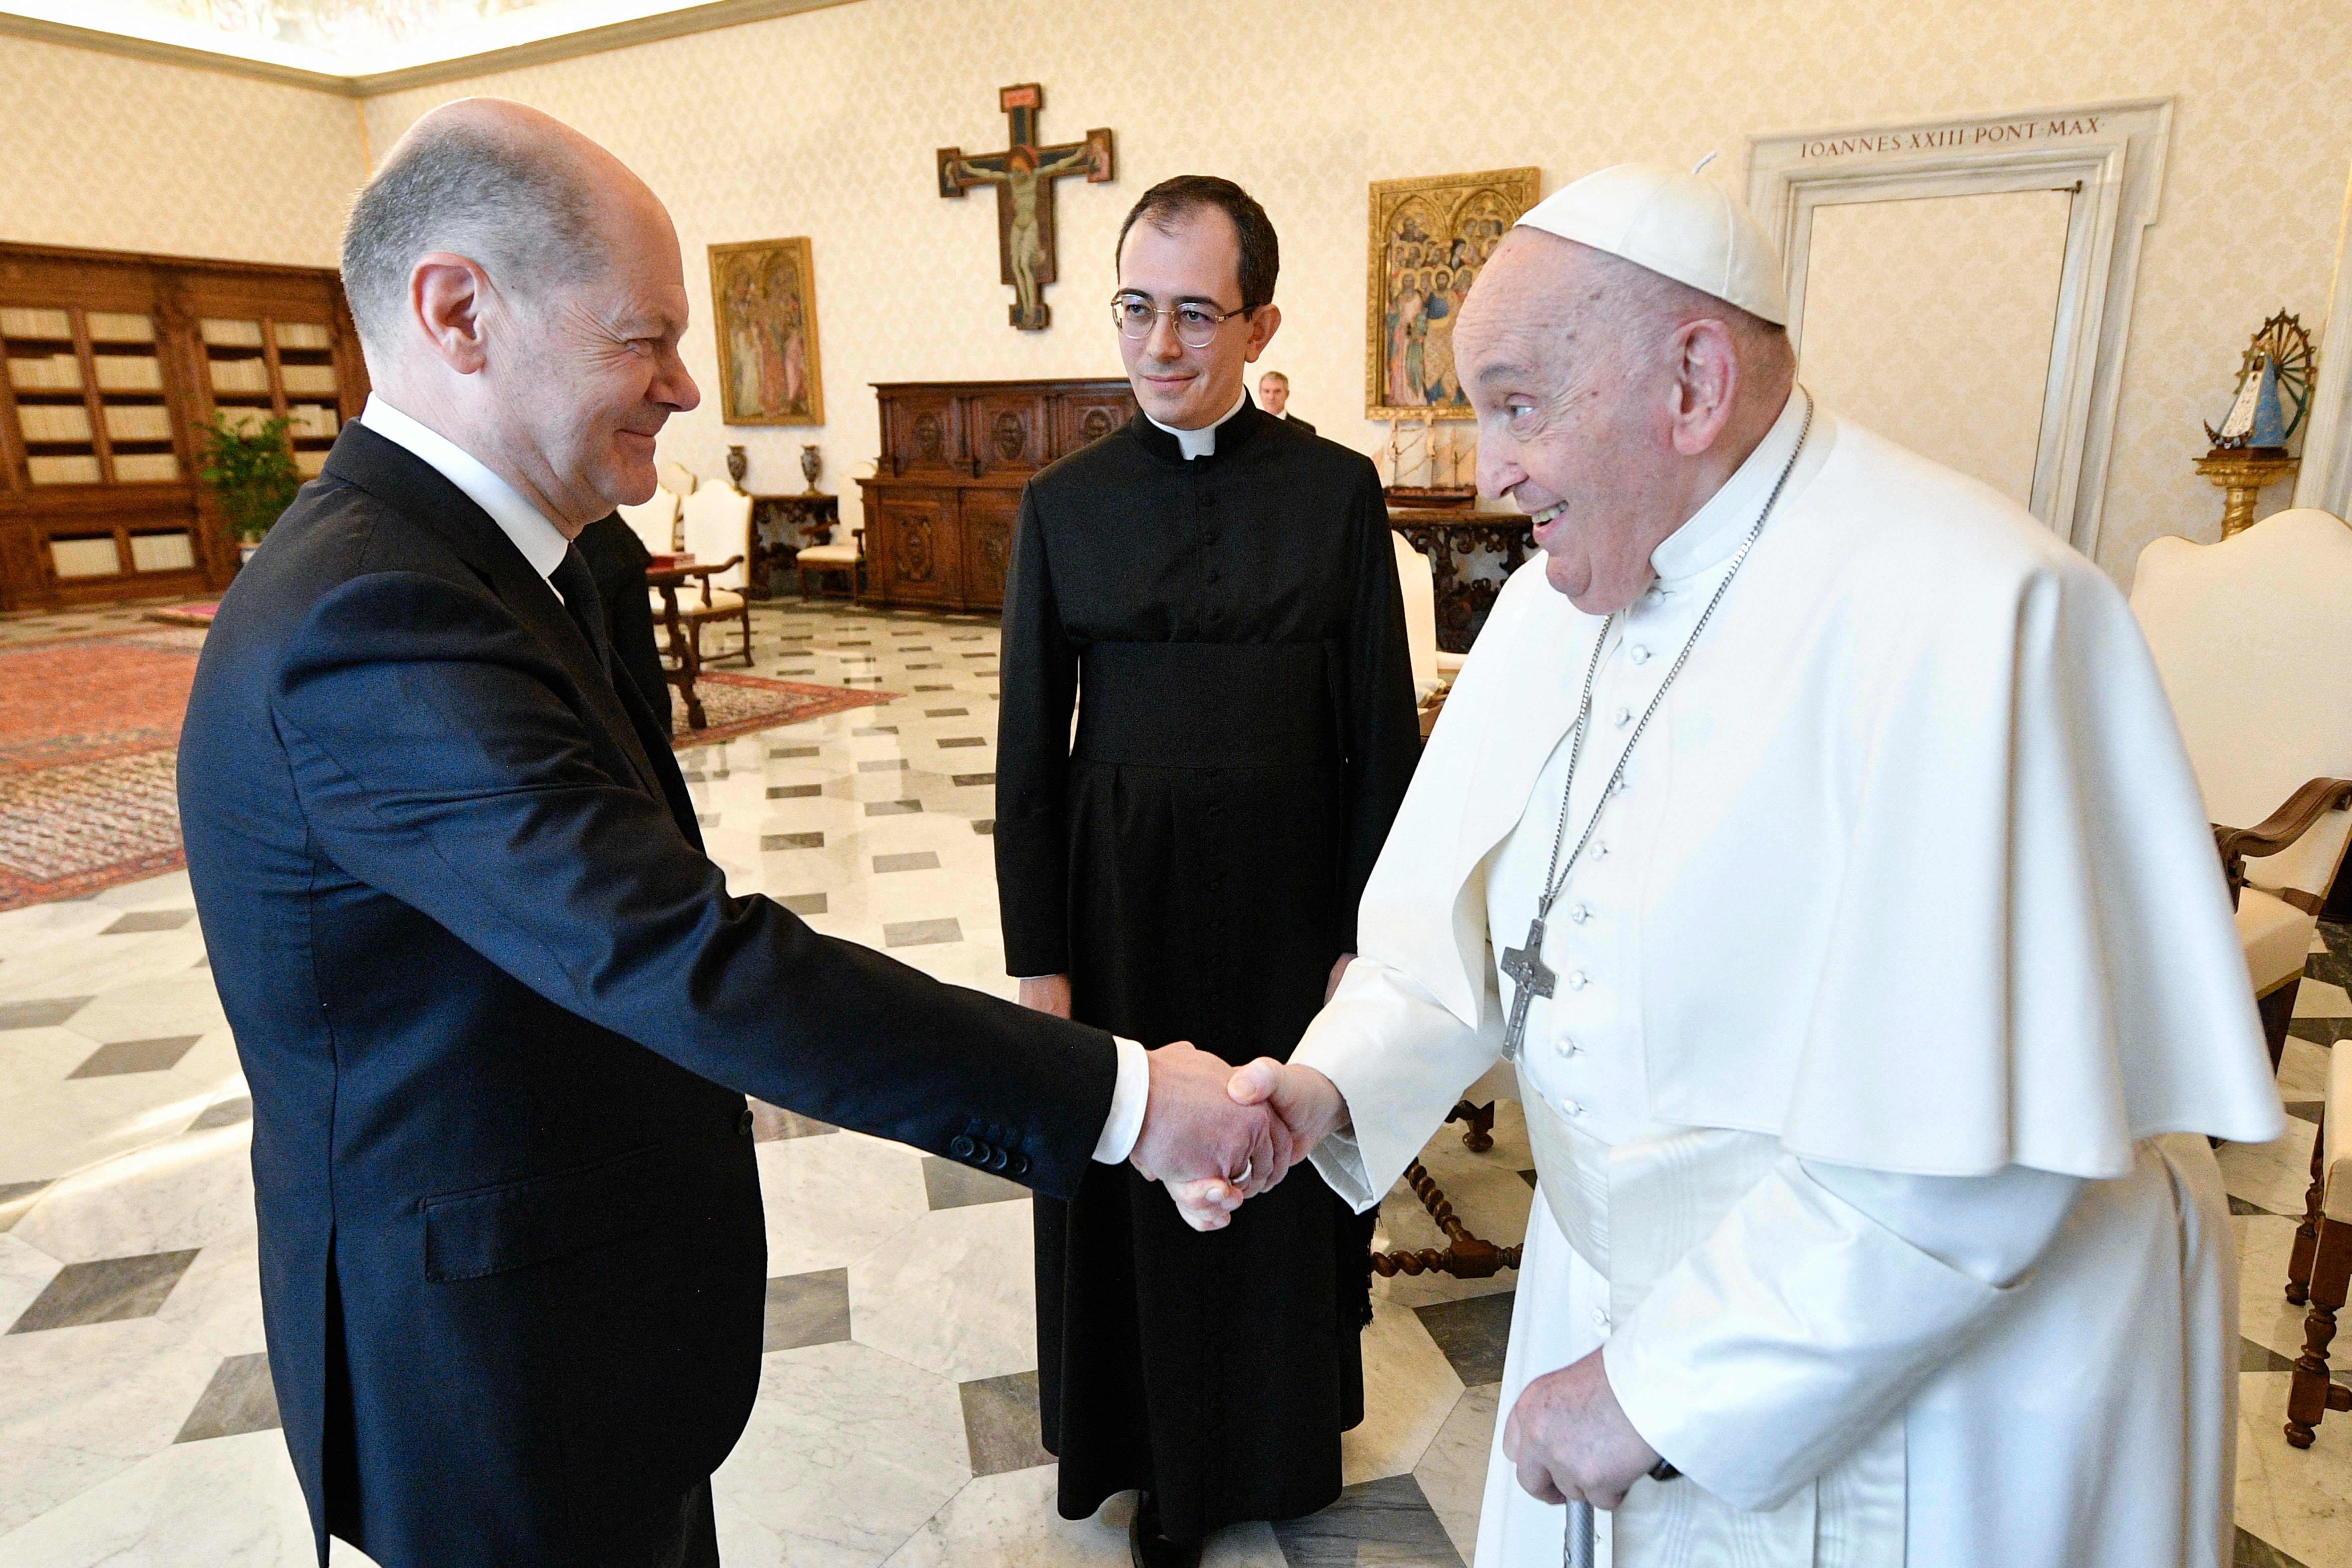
1232 632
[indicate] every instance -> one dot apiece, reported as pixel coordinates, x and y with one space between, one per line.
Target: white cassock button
1624 717
1638 654
1580 913
1599 1320
1569 1047
1599 850
1578 980
1571 1108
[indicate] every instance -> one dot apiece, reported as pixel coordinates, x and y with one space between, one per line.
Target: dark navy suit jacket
499 1014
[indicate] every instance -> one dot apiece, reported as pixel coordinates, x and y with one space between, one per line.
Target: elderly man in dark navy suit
498 1009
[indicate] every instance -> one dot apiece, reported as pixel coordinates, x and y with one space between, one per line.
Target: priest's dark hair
528 221
1170 202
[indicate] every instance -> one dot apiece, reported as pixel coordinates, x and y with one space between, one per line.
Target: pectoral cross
1024 176
1529 979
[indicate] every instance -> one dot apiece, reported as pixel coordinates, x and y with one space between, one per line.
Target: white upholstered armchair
2253 638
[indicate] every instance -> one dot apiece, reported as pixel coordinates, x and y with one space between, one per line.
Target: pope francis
1810 831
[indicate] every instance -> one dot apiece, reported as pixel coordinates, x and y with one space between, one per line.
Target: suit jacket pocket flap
492 1229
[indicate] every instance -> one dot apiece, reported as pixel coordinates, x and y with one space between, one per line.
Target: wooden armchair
717 526
2253 637
678 609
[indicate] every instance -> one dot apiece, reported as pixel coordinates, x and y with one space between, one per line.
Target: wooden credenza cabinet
947 488
111 362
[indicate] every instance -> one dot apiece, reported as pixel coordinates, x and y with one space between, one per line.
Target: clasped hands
1217 1135
1567 1434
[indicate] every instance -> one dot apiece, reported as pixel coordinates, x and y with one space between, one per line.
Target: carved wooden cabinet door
923 434
988 519
915 559
1008 433
1082 418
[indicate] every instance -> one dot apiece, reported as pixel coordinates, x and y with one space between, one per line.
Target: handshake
1217 1135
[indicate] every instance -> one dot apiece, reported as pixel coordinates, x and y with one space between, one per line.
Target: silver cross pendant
1529 979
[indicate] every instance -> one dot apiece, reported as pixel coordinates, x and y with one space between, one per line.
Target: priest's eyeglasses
1196 323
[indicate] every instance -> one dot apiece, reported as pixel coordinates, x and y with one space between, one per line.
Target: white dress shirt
543 545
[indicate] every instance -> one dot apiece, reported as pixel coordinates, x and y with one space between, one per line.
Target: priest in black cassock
1215 592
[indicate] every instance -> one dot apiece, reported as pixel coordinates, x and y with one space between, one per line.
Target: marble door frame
2112 157
2326 478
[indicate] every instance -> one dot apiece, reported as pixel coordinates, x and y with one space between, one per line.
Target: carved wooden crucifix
1024 176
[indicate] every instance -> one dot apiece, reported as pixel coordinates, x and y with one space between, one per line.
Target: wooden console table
1451 538
941 507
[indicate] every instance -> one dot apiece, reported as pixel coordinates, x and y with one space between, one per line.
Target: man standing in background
1224 582
1273 397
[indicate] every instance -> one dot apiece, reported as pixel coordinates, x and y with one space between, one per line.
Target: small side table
782 526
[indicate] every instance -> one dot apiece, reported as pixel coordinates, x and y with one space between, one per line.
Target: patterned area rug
89 726
741 704
88 731
199 614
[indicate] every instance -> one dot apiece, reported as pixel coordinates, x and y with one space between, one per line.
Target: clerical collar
1202 443
1715 528
541 543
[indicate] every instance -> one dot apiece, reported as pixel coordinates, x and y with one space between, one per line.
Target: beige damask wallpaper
121 155
824 124
1916 312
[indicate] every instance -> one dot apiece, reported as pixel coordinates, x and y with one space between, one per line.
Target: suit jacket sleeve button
998 1159
1020 1165
960 1146
743 1123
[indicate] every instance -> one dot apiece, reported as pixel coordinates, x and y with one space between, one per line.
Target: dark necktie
572 580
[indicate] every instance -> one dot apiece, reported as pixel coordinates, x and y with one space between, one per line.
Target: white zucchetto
1677 224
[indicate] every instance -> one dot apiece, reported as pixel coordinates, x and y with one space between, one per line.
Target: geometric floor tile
2253 1554
1473 1333
2252 1357
46 1012
2243 1205
772 1122
135 1056
921 933
1000 1423
802 904
225 1112
240 1398
807 1310
1387 1521
107 1291
150 920
951 1185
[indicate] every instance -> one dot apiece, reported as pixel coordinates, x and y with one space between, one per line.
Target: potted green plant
249 466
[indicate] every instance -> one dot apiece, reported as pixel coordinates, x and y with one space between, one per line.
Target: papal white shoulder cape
1934 894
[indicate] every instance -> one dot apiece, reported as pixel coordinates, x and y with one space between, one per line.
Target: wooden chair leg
1478 1124
2306 1235
804 584
2312 1393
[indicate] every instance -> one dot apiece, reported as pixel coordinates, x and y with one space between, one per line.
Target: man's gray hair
463 188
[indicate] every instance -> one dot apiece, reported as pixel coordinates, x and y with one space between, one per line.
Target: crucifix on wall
1024 176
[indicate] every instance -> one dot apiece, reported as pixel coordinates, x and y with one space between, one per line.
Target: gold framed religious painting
763 304
1428 237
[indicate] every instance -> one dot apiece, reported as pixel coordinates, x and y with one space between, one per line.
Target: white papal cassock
1895 995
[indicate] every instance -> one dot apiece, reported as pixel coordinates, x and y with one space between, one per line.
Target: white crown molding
588 41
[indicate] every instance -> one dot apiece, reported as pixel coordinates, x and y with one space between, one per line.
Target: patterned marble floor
896 1422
